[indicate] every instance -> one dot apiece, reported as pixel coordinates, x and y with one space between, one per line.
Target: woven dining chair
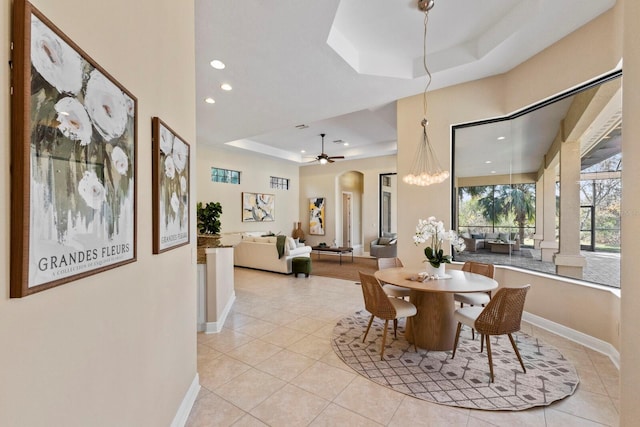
476 298
393 290
501 316
389 289
384 307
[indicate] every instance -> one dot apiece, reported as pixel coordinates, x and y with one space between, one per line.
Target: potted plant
209 225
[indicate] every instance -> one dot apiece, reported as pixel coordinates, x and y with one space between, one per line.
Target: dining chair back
389 263
380 305
476 298
501 316
389 289
479 268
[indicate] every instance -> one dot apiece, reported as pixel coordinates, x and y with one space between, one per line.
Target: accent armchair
384 247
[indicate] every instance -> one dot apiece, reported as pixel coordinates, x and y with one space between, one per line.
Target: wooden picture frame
171 188
258 207
73 159
317 224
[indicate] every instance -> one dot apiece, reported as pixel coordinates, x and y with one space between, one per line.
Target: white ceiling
338 66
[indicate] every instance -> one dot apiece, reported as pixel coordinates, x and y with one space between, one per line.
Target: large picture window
540 189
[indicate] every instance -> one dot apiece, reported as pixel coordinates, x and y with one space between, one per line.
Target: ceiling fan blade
329 160
336 157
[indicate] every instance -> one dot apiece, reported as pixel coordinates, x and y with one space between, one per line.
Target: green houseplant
209 217
209 225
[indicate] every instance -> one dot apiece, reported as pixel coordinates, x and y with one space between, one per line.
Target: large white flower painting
171 188
82 165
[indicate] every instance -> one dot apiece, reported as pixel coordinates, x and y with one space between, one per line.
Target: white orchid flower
183 184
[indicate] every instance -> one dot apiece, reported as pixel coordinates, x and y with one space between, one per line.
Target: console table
337 250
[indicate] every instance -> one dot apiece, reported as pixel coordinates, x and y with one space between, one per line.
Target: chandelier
426 169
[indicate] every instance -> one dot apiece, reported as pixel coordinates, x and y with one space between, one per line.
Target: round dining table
434 327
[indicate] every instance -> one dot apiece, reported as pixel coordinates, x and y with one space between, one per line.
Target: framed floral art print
73 155
170 188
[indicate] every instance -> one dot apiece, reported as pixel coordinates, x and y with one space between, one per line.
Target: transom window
225 175
279 183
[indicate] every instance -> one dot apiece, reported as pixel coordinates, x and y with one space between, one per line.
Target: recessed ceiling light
346 144
225 86
500 138
217 64
488 161
303 151
210 100
493 171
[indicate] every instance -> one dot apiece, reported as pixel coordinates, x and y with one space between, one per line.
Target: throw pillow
384 240
393 241
476 236
291 243
503 236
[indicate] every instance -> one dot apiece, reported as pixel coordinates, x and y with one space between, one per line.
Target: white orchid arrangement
432 231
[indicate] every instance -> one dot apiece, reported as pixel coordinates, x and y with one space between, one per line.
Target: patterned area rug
463 381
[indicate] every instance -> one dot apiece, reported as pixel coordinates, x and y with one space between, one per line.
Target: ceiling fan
323 158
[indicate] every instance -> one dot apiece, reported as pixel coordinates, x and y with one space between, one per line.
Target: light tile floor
272 364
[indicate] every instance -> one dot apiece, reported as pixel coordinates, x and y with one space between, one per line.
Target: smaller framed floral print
170 188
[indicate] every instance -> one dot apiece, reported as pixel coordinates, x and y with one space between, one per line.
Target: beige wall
592 51
630 268
255 176
117 348
321 181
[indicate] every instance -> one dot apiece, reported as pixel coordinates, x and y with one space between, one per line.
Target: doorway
347 224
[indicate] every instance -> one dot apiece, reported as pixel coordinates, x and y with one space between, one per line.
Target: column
539 236
549 245
569 262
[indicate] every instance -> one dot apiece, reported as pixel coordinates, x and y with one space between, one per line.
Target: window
497 161
225 175
506 208
279 183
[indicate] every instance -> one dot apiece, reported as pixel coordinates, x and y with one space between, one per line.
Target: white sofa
261 253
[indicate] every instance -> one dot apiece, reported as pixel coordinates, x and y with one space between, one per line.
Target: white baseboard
187 403
215 327
575 336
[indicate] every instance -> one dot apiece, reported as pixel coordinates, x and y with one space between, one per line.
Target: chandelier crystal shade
426 169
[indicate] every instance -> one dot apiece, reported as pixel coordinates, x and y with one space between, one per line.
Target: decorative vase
435 271
298 233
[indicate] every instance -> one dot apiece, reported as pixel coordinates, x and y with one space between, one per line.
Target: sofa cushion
503 236
491 236
477 236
